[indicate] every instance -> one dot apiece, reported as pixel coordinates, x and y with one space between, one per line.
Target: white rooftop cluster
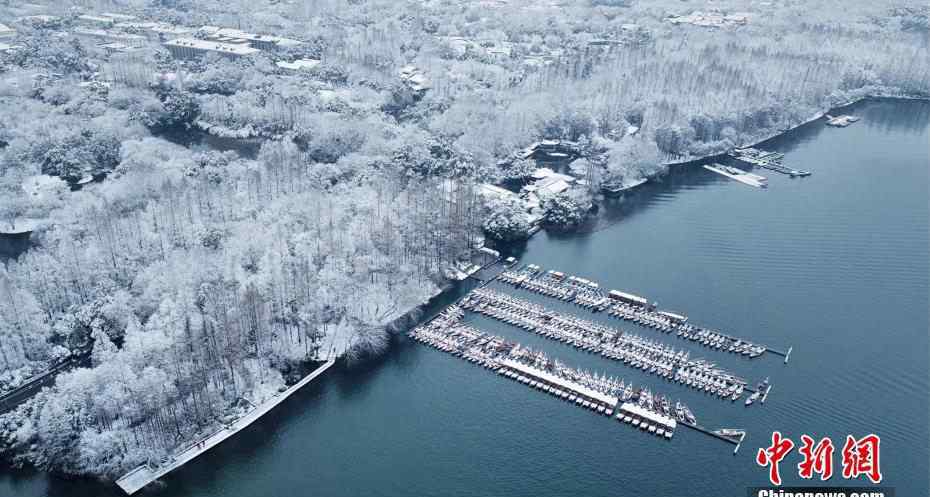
190 46
298 65
414 79
710 19
260 41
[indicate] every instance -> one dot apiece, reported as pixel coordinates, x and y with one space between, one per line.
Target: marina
766 160
634 351
739 175
608 396
629 307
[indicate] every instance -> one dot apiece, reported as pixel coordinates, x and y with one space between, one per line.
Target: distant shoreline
754 142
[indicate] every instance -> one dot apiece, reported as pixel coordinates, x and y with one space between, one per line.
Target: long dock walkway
612 397
138 478
650 356
588 294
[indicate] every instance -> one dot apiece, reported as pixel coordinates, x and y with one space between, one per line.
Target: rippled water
835 265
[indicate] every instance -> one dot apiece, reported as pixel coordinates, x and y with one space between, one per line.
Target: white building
155 30
39 20
258 41
98 21
185 48
118 17
103 36
414 79
298 65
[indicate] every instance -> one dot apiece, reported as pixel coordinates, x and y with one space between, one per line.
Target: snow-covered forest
204 228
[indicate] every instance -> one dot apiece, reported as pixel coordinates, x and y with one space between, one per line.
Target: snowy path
138 478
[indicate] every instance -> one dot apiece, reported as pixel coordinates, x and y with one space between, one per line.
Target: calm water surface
835 265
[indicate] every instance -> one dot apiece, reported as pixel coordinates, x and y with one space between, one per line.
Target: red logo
860 457
772 455
816 460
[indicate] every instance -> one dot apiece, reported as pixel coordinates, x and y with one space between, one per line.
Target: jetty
633 350
588 294
765 160
598 393
732 436
743 177
609 396
145 474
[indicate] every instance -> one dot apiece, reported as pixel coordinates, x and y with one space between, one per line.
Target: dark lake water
835 265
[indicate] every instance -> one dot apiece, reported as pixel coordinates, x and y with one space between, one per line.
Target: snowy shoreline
756 141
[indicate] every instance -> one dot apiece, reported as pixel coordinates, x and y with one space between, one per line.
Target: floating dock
143 475
639 407
736 440
735 174
765 160
629 307
633 350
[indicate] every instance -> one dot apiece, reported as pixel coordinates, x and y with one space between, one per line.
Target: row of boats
588 294
633 350
765 159
599 393
707 337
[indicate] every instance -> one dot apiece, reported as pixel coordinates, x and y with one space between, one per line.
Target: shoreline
755 142
417 313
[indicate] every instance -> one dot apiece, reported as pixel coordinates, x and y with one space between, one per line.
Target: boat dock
608 396
736 439
629 307
145 474
633 350
766 160
739 175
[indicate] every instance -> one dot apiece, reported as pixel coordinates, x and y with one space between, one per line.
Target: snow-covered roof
644 413
244 35
39 18
672 315
627 296
120 17
543 172
95 19
496 191
553 185
298 65
212 46
561 382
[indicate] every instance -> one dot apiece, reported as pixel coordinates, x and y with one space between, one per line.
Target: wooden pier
143 475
